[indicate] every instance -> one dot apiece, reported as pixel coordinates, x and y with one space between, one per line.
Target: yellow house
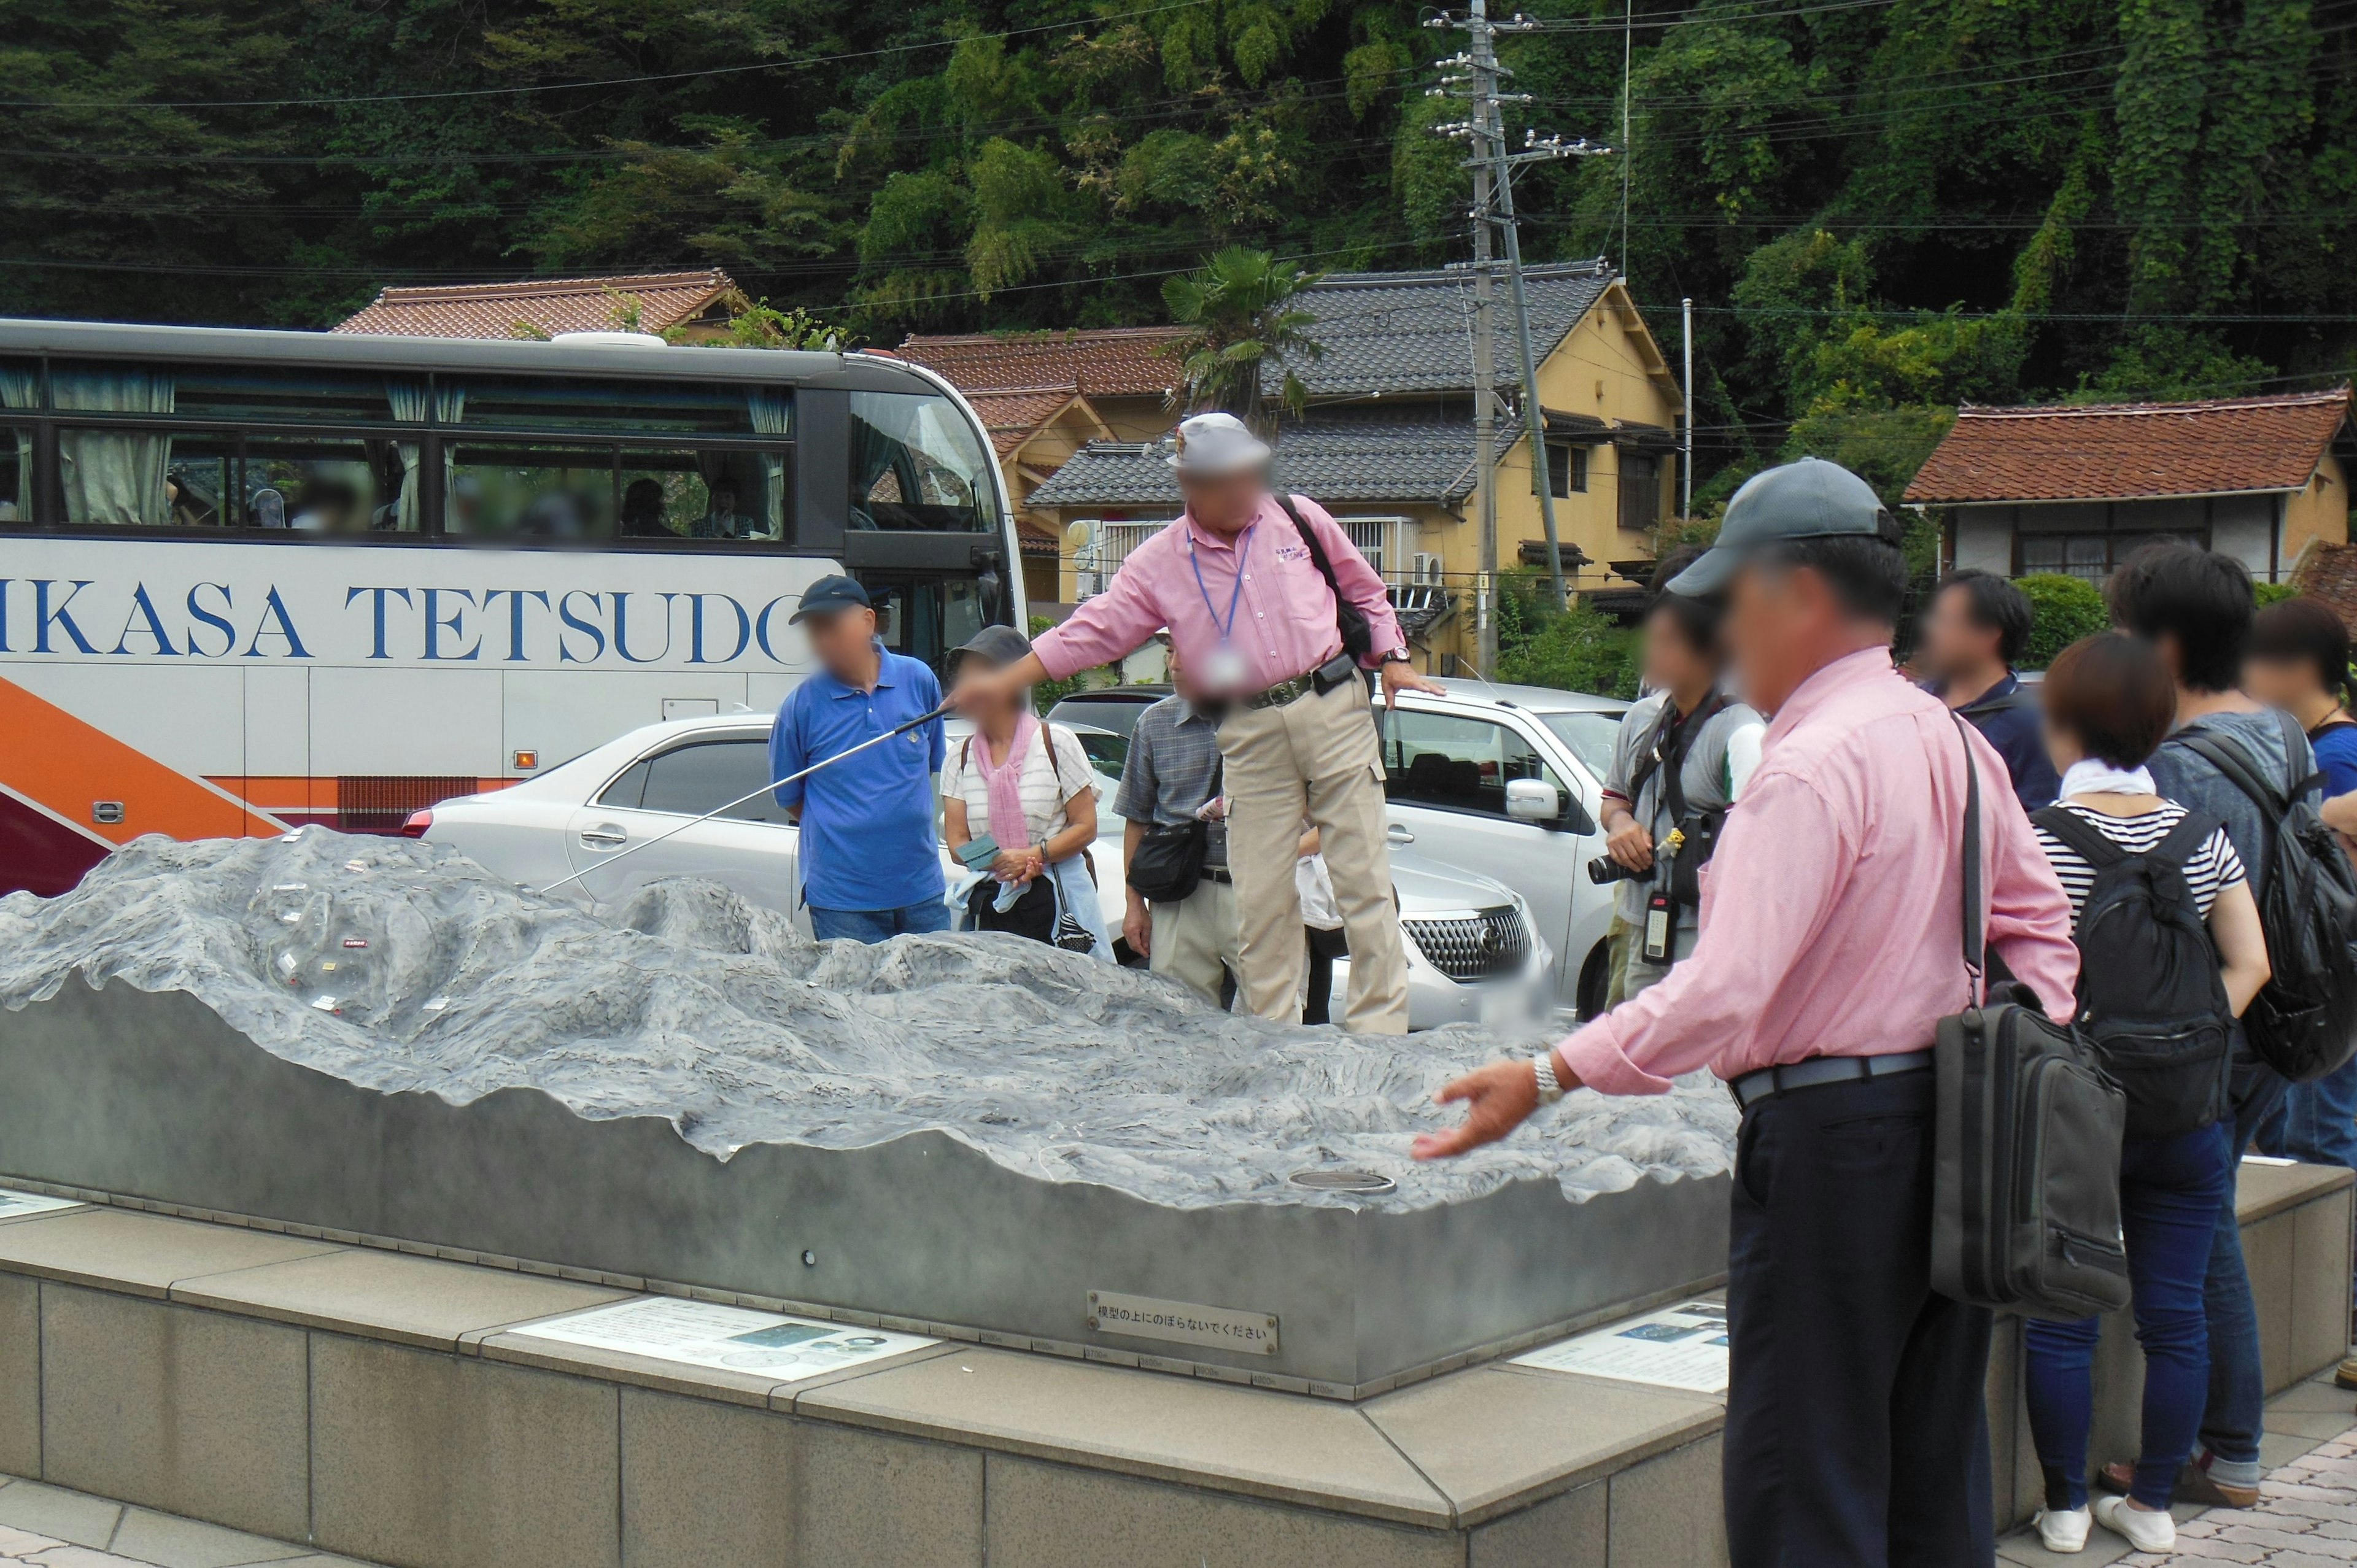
1386 443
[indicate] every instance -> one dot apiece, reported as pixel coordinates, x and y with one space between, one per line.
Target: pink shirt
1832 911
1284 615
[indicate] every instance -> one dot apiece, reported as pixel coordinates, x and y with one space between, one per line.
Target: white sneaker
2063 1529
2146 1531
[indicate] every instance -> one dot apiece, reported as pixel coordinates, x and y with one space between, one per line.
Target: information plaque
727 1338
1182 1322
1682 1347
14 1203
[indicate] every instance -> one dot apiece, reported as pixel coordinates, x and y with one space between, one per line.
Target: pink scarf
1004 782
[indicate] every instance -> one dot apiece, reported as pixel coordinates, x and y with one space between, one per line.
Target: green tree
2063 609
1244 322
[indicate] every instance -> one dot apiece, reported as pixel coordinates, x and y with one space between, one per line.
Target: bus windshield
916 464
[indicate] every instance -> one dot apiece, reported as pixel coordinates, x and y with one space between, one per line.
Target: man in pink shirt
1240 583
1831 944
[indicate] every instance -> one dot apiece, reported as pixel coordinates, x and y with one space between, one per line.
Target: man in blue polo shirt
1979 625
871 859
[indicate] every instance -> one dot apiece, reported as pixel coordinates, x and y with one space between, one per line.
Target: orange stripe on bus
68 765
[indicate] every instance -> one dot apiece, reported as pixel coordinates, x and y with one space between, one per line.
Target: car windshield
1106 750
1589 734
1118 715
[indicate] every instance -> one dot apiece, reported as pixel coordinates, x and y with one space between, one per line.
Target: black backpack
2150 996
2303 1022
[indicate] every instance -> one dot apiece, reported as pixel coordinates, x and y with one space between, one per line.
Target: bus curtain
19 389
771 413
408 400
113 476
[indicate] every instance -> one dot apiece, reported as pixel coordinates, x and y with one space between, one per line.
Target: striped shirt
2210 870
1044 788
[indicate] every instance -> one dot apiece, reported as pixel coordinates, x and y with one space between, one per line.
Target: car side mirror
1533 800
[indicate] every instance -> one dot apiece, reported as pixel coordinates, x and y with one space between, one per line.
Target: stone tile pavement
53 1528
2306 1514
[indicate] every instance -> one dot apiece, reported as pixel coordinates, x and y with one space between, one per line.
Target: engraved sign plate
14 1203
1182 1322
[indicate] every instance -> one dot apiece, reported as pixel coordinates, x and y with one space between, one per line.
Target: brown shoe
2194 1485
2345 1374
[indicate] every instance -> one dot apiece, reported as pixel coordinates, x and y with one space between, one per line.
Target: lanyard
1235 594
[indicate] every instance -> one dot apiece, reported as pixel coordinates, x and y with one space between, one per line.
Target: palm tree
1244 310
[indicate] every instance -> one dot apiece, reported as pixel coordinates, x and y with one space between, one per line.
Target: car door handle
1398 834
603 837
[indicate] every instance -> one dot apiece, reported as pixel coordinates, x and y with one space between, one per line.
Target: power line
802 64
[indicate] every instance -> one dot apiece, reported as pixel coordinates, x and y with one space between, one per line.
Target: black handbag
1168 865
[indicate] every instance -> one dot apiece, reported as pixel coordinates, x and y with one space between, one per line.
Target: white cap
1210 445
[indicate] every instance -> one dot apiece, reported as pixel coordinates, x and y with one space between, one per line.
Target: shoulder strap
2094 845
2294 739
2230 760
1674 766
2019 697
1309 538
1975 948
2190 833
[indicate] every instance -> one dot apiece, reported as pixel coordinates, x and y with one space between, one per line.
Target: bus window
329 485
703 495
120 478
536 492
915 464
285 396
199 481
568 404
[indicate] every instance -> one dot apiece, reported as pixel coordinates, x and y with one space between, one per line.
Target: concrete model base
385 1406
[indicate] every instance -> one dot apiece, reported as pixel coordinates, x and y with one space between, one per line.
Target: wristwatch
1396 656
1543 1069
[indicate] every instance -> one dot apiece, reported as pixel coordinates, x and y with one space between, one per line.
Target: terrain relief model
970 1134
398 965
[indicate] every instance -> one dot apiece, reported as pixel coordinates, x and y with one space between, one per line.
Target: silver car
1473 950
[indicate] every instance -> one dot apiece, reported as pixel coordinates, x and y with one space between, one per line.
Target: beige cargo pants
1316 757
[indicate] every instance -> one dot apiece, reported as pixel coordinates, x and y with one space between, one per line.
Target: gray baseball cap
1808 499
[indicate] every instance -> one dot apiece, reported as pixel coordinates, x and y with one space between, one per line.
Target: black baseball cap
995 646
828 595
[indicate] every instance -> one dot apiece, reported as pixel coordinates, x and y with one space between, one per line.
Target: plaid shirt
1173 754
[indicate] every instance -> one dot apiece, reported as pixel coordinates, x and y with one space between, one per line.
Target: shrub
1575 650
2065 610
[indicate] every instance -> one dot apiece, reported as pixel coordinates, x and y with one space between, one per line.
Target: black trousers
1857 1435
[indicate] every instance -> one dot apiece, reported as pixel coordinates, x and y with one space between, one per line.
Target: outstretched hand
1398 677
1499 1098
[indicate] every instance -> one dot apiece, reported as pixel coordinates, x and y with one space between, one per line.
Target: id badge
1225 669
1661 922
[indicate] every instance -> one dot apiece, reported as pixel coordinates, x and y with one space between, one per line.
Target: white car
1506 782
1474 952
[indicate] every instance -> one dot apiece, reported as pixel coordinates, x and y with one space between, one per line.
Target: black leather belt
1322 680
1217 873
1754 1087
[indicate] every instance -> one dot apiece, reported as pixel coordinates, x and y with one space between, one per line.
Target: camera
1603 869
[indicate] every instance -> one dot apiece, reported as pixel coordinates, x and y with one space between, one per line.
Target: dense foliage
2063 609
1880 207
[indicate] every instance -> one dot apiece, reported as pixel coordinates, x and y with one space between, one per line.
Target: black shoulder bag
2026 1141
1170 859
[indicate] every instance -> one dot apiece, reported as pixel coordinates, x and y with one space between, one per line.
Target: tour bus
251 580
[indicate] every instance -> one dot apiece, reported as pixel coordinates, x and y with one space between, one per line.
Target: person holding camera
1679 763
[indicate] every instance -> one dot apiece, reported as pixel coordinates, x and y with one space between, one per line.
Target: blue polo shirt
868 838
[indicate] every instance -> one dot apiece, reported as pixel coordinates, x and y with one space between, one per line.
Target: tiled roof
1392 332
2127 451
1328 457
2328 572
550 304
1119 361
1010 416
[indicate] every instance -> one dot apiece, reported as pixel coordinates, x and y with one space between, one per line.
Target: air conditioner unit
1427 568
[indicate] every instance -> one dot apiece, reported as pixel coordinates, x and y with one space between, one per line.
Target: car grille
1492 943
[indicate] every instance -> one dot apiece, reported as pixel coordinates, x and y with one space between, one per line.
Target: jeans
879 925
2238 1387
2318 1124
1856 1425
2169 1192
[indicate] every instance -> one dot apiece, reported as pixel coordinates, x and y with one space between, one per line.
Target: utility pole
1685 459
1475 76
1485 382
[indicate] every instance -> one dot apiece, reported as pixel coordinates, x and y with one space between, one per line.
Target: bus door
924 534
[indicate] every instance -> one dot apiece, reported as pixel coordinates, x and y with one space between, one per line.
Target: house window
1566 470
1640 502
2091 557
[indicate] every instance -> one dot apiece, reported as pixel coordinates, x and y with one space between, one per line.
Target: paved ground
2306 1516
58 1528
